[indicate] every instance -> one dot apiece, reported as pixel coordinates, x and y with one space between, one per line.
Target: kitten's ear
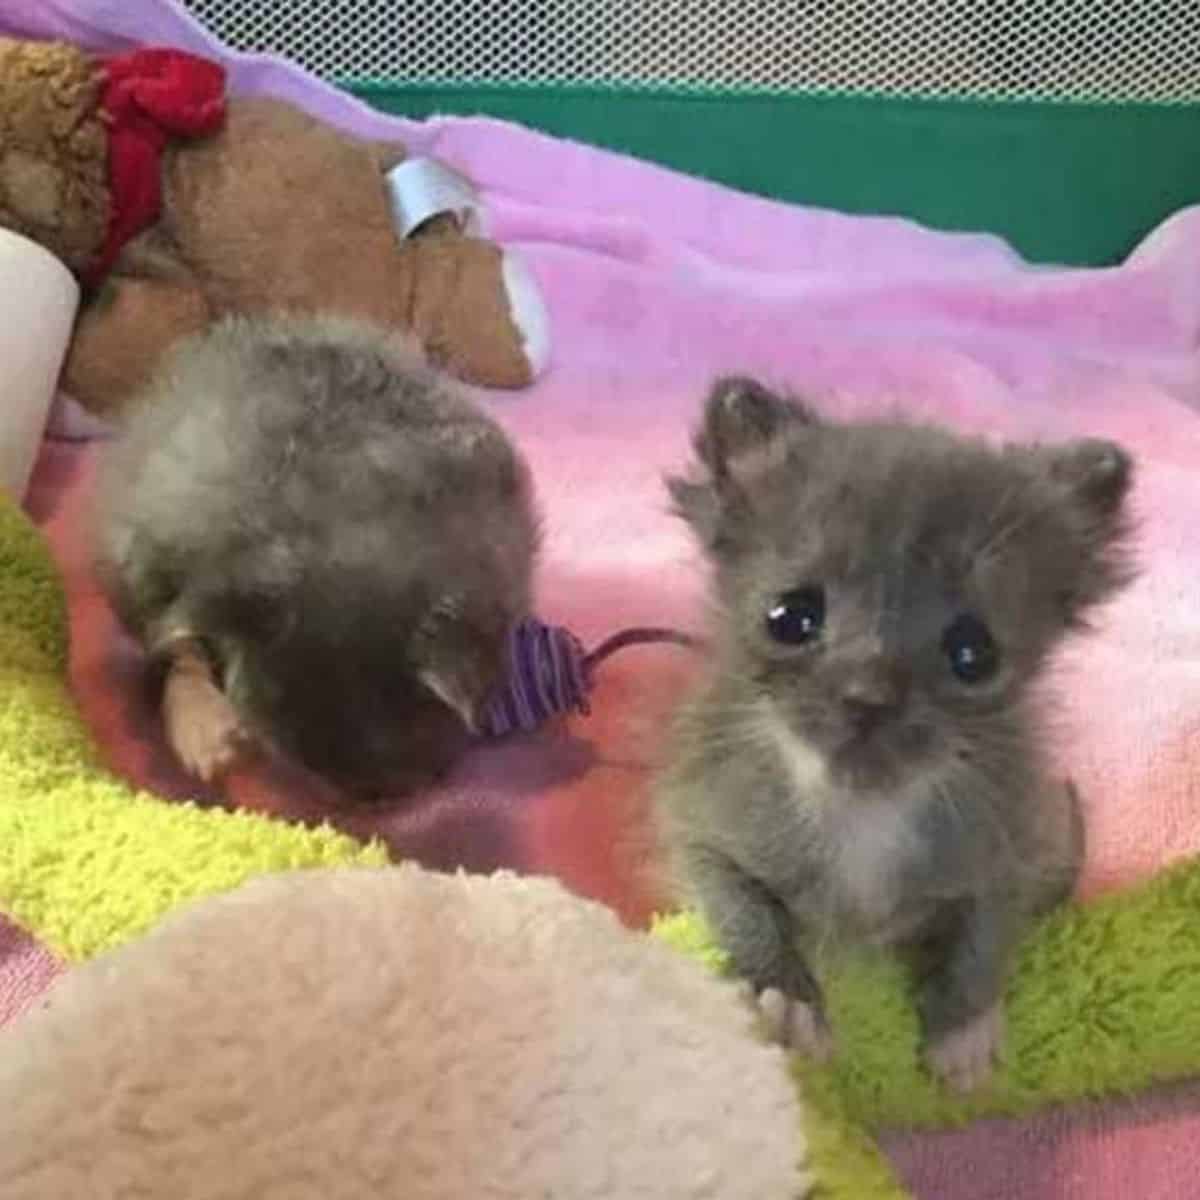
454 691
1093 477
1097 473
454 664
746 429
744 423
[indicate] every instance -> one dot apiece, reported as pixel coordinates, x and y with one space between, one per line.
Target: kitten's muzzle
872 695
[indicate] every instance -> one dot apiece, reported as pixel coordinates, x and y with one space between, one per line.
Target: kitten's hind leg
754 928
201 726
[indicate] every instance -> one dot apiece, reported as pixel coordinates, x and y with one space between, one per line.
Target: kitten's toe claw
206 736
216 760
795 1024
211 753
964 1057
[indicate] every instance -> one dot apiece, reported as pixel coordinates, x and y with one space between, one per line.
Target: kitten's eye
969 646
797 616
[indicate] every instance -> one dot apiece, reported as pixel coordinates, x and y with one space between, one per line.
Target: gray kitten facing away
324 542
864 761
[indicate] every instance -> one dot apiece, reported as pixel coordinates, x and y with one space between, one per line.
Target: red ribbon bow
147 97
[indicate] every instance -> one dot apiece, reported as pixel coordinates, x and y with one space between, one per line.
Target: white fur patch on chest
869 842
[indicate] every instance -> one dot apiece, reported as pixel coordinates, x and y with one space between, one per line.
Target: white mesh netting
1105 50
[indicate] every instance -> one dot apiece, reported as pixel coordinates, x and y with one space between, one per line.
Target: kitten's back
277 448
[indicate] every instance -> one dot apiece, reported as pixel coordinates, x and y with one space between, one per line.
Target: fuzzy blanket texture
654 282
1106 998
416 1033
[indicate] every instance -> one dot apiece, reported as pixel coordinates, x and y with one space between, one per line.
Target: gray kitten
325 542
863 762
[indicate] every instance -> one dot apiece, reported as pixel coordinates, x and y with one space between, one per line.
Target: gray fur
346 533
934 828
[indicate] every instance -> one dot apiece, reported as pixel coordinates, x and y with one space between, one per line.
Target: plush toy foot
429 200
796 1025
202 728
527 307
475 309
963 1058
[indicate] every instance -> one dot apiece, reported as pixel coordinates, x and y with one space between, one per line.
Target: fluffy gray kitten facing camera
324 542
863 763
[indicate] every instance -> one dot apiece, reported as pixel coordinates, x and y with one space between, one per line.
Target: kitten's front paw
795 1024
963 1058
202 729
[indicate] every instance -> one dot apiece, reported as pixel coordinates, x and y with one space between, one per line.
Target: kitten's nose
872 694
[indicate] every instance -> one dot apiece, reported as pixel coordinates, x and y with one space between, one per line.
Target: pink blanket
655 282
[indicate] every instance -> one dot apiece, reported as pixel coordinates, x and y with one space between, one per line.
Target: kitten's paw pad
796 1025
204 733
964 1057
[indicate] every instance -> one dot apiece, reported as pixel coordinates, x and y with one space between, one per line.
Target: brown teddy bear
179 205
53 150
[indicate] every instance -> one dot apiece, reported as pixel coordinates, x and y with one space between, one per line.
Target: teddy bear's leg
476 309
527 307
121 336
201 725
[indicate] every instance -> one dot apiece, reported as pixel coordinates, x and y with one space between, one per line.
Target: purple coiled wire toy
550 673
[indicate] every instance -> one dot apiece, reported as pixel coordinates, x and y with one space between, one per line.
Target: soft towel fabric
27 968
1143 1148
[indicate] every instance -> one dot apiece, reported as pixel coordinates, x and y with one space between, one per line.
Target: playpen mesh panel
1095 50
